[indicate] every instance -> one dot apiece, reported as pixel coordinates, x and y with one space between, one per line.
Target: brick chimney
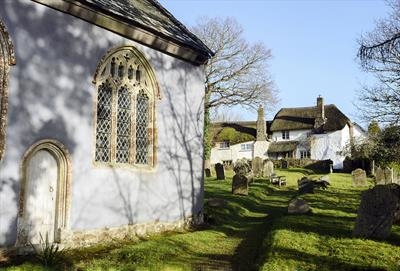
261 126
320 119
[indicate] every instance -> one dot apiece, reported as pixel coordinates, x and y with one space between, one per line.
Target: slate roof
303 118
148 15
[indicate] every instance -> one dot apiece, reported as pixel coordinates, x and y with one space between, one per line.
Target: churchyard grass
254 232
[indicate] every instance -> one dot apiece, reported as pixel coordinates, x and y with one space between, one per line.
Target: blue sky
313 43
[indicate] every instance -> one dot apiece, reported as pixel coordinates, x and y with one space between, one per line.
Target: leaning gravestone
208 172
257 166
219 170
268 168
377 212
359 177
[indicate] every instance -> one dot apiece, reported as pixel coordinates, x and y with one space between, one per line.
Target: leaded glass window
142 123
103 132
125 130
123 125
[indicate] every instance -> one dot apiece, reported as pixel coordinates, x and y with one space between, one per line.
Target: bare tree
238 72
379 54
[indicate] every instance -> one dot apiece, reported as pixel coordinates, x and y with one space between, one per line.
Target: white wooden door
40 196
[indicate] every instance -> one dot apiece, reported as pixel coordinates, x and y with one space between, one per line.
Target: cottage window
305 154
125 128
285 134
246 147
224 145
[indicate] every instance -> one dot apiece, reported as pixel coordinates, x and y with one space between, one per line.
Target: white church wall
51 95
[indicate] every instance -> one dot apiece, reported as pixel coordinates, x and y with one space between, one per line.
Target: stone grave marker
359 177
388 175
284 164
377 212
298 206
240 185
257 166
219 170
380 176
268 168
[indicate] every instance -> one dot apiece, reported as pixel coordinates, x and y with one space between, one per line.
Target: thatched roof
282 146
303 118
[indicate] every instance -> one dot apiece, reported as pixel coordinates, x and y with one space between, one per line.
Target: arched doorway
45 193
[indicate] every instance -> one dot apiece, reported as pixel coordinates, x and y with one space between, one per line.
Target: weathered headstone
240 185
284 164
359 177
219 170
257 166
268 168
388 175
305 186
298 206
240 182
208 172
377 211
380 176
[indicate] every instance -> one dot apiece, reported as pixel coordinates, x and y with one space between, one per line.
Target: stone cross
257 165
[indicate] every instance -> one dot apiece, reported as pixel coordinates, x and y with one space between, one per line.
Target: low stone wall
89 237
84 238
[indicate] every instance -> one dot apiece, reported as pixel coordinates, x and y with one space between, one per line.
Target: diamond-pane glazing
103 133
123 125
142 123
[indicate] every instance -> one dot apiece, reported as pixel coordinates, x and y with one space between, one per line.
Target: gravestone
240 185
380 176
359 177
241 167
378 210
208 172
305 186
219 170
268 168
298 206
284 164
257 166
388 175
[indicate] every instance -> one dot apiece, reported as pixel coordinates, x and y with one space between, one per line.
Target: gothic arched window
7 58
125 127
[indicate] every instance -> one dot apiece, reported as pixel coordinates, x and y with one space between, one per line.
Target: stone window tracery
125 128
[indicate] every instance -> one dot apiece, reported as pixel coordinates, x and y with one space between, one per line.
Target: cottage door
40 196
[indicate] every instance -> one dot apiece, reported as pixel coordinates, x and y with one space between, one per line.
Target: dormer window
285 135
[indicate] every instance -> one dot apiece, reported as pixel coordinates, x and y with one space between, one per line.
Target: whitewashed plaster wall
327 146
293 135
51 96
234 152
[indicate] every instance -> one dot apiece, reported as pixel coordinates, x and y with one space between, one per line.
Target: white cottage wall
293 135
326 146
233 153
52 95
